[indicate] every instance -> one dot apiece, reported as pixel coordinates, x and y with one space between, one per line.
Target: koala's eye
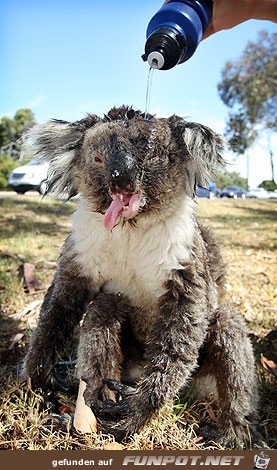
98 160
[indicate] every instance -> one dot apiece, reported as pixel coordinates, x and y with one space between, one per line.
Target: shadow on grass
263 246
267 347
22 216
244 226
10 354
245 220
261 213
39 206
249 215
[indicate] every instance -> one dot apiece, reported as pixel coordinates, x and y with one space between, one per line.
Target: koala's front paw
40 369
124 415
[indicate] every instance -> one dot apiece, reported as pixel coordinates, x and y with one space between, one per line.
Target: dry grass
33 230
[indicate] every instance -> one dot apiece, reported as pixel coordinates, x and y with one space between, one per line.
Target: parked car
29 177
210 193
272 194
213 187
203 192
233 192
257 193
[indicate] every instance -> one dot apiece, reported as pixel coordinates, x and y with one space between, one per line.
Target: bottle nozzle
163 48
156 60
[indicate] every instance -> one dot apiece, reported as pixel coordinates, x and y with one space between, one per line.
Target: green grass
33 230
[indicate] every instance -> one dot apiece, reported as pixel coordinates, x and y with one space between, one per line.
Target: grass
246 231
32 230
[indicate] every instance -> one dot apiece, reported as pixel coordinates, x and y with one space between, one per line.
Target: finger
116 386
209 31
112 408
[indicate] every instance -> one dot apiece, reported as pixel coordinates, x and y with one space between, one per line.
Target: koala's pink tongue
112 213
117 207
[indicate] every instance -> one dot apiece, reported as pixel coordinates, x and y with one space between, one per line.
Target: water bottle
175 31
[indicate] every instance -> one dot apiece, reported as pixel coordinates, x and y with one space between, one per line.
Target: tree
12 130
248 87
8 131
7 165
268 185
224 178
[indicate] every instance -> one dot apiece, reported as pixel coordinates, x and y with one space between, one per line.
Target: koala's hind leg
231 357
99 351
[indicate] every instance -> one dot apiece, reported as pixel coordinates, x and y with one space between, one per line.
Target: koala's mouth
123 205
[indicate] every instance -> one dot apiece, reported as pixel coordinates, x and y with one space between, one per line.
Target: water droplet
115 173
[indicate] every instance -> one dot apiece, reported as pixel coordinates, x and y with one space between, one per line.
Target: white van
29 177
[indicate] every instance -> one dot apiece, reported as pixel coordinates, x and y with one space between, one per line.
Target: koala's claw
113 408
113 417
124 415
123 390
118 406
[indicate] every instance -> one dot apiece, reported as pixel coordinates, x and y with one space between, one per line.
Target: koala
140 274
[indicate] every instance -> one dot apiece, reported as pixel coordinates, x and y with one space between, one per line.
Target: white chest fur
134 261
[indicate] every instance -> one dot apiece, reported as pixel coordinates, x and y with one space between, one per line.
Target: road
29 194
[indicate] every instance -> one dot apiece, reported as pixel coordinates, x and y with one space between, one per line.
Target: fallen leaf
31 283
28 311
269 365
84 419
15 339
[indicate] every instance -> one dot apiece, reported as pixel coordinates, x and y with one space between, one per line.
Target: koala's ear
57 142
200 145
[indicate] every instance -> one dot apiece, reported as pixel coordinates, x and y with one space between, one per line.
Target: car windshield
36 161
231 188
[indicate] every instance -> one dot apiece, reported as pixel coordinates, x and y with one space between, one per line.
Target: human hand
228 14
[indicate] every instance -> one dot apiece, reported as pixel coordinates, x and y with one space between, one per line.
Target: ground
32 231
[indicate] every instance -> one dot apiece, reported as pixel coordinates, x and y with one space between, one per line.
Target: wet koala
142 274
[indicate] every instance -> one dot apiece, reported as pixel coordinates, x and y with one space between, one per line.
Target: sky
64 59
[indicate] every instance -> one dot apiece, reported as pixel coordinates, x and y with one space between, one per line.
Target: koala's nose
122 171
121 183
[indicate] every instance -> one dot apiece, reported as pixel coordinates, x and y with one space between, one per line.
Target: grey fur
181 326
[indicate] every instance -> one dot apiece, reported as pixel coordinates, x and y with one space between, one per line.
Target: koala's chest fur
133 261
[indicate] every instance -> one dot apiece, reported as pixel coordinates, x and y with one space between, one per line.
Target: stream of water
148 92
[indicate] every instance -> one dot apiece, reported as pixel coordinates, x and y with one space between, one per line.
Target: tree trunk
271 164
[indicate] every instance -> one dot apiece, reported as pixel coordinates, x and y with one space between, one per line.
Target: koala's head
126 166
